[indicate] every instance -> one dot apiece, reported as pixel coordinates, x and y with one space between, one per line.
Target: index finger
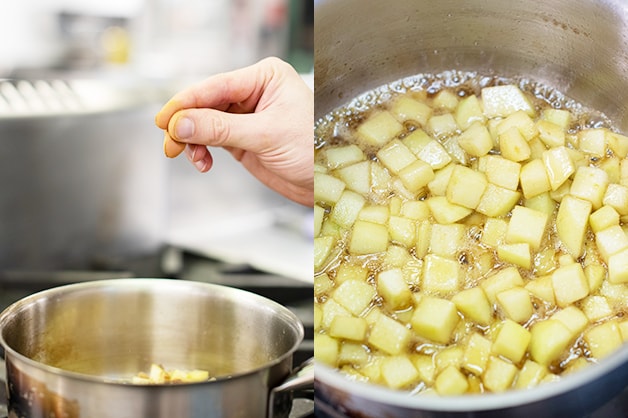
243 87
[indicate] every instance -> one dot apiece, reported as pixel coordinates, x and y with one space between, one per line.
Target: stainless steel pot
71 351
579 48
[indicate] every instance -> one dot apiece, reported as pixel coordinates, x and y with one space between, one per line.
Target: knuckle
219 130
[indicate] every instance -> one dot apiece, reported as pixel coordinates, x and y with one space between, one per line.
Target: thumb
219 129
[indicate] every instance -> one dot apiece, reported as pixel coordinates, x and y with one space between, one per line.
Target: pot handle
301 379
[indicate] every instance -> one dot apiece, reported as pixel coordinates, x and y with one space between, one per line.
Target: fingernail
200 165
184 128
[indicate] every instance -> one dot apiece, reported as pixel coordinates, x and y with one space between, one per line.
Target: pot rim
146 284
334 380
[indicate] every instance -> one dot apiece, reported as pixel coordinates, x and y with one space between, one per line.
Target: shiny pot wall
577 47
70 350
82 185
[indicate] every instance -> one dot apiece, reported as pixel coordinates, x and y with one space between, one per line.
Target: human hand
262 114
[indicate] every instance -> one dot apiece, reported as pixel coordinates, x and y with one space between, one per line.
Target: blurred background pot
578 48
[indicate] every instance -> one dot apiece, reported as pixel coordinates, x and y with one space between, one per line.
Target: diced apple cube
562 191
323 247
445 99
604 217
379 128
343 155
596 307
405 108
542 288
368 238
551 134
348 328
353 354
476 140
469 112
501 101
494 232
476 354
623 329
531 375
474 305
330 310
511 341
618 267
326 349
603 339
389 335
558 166
610 241
435 319
416 175
466 186
402 230
516 304
438 186
572 318
451 382
442 125
542 203
617 143
572 222
374 213
616 196
322 284
503 279
357 177
499 374
560 117
549 340
434 154
423 234
570 284
440 276
446 212
590 183
448 356
398 256
319 214
395 156
501 171
533 178
446 240
518 254
415 209
346 209
595 274
520 120
513 145
380 180
327 188
424 364
398 372
354 295
526 225
346 271
593 141
394 289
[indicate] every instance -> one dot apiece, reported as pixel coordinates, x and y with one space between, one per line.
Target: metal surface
83 181
578 48
66 348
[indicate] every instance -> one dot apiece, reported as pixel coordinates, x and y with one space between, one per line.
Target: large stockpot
577 47
72 351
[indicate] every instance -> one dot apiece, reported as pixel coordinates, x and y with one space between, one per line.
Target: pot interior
115 329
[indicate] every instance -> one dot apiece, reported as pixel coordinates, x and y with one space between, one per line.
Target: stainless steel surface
82 184
67 346
579 48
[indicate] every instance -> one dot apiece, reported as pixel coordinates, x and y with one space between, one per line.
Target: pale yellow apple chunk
343 155
501 171
560 117
326 349
499 375
451 382
526 225
466 186
501 101
590 183
518 254
596 308
446 212
323 247
389 335
572 222
379 128
424 364
416 175
395 156
402 230
531 375
347 208
327 188
593 141
573 318
368 238
494 232
603 218
434 154
398 372
516 304
354 295
440 276
497 201
392 286
357 177
558 165
348 328
406 108
551 134
603 339
511 341
549 340
319 214
533 178
504 279
513 145
617 143
522 122
476 354
435 319
616 196
441 125
610 241
570 284
476 140
618 267
542 288
378 214
469 112
353 354
474 305
446 240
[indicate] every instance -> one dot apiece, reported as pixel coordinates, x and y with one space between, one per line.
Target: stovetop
174 263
